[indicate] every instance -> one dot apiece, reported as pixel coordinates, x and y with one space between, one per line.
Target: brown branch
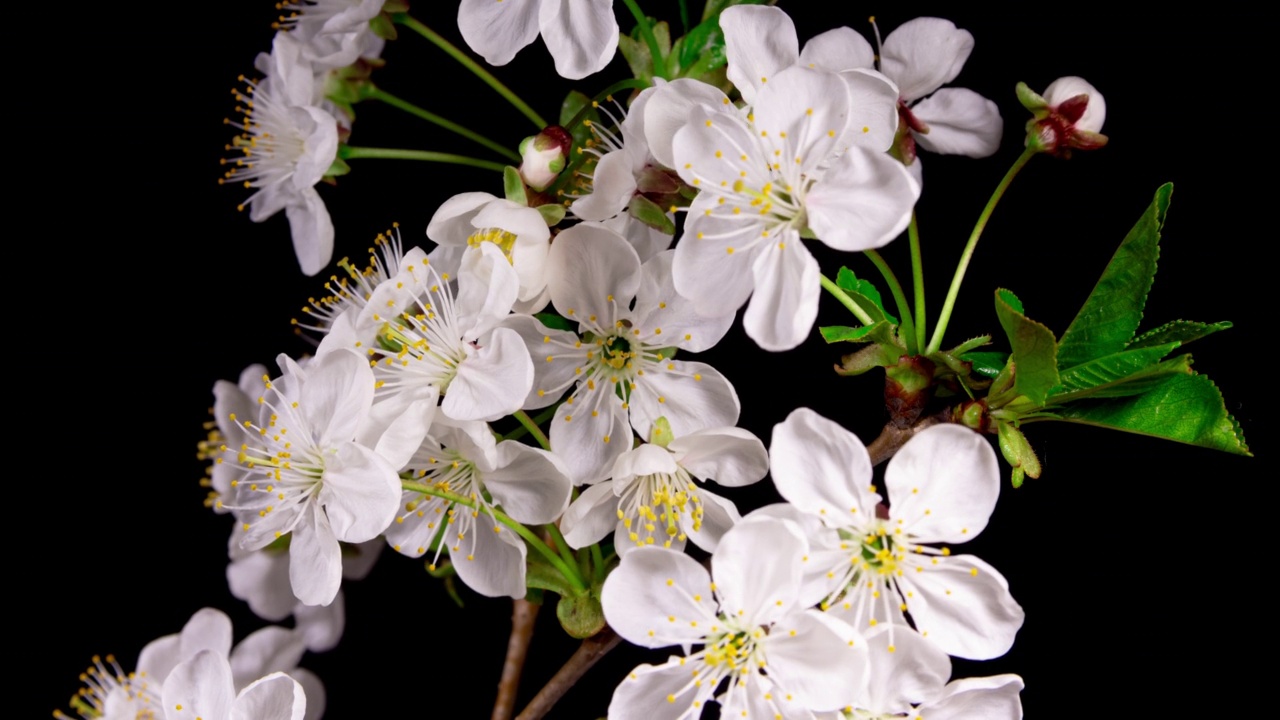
523 613
892 437
591 650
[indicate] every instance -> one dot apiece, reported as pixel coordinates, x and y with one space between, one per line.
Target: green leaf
1106 373
867 333
552 213
649 213
554 321
1184 408
986 364
1179 331
1111 314
1034 349
706 37
573 103
513 186
863 292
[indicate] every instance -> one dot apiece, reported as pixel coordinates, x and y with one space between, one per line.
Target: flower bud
1068 116
543 156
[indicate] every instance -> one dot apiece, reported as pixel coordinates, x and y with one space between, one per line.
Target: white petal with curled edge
990 698
493 382
757 568
315 559
836 50
943 484
913 671
668 110
488 561
275 697
528 255
816 661
590 518
335 396
647 459
588 265
691 395
487 288
262 580
924 54
612 186
532 485
270 649
759 42
785 303
208 629
321 626
160 656
578 433
313 689
498 30
962 604
651 587
451 223
311 230
961 122
201 686
580 34
803 115
646 240
550 377
718 516
319 145
405 423
863 202
873 114
360 493
729 456
659 692
825 557
1065 88
659 307
822 469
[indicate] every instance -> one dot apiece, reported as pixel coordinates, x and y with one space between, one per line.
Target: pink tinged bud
543 156
1078 102
1068 116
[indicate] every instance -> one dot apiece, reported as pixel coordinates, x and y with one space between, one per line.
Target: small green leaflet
513 186
864 293
986 364
1111 314
1034 349
869 333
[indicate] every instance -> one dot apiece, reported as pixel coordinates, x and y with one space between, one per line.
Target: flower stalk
351 152
375 93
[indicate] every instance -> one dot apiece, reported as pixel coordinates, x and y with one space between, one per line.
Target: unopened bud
1068 116
543 156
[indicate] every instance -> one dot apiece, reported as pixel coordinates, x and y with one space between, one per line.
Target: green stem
936 342
569 572
533 429
646 31
350 152
597 562
917 279
899 298
375 93
406 20
845 300
566 552
538 420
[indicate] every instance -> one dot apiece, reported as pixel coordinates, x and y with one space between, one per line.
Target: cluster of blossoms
833 601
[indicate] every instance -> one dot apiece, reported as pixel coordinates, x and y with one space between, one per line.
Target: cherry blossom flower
777 657
621 369
580 34
1068 117
333 33
942 485
203 688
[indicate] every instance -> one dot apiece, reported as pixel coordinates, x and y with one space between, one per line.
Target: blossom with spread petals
942 486
580 34
203 688
775 656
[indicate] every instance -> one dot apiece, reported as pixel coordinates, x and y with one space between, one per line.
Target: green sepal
987 363
1031 100
1111 314
649 213
574 103
280 544
667 353
552 213
338 168
661 434
1119 374
513 186
554 321
543 576
1034 353
1017 451
395 6
713 8
383 27
1184 408
879 354
581 615
1016 478
440 571
881 332
636 53
1179 331
970 344
864 293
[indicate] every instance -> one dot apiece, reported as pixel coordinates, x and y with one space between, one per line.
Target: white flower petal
961 122
691 395
490 562
647 459
313 689
487 288
208 629
360 493
451 223
718 516
262 580
757 568
963 604
873 111
160 656
785 303
270 649
550 377
1065 88
668 110
315 559
498 30
612 186
913 671
711 266
275 697
659 306
588 265
863 202
493 382
311 230
590 518
730 456
840 49
651 586
990 698
944 484
578 433
646 240
804 115
321 626
580 34
759 42
662 692
532 485
822 469
335 396
924 54
201 686
815 662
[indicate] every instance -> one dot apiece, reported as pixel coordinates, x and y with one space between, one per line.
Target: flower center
111 694
662 505
269 144
503 239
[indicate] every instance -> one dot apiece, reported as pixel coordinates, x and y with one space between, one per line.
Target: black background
1134 558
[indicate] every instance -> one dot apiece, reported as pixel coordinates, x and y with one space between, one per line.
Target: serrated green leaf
1179 331
552 213
1111 314
1034 349
513 186
863 292
1184 408
866 333
1104 373
987 363
554 321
